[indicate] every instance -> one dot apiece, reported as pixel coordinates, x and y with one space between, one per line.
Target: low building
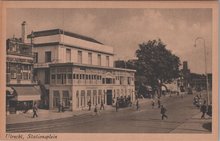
21 90
76 69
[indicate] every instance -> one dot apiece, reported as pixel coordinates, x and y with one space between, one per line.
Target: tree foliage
157 64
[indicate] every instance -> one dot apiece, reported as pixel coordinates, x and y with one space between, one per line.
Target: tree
157 64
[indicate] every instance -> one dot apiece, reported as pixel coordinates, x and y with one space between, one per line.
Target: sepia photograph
119 70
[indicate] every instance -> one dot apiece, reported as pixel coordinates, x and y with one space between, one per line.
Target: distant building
21 91
76 69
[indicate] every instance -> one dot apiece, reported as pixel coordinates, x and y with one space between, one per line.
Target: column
74 99
80 98
86 100
51 99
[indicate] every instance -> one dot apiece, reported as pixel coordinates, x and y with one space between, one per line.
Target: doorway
109 97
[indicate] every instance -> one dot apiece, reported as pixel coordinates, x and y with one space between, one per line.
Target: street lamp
200 38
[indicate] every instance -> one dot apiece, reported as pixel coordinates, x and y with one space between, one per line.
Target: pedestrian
89 104
25 107
116 106
62 108
203 109
158 102
102 105
59 106
152 103
182 91
209 111
137 104
163 112
96 110
35 110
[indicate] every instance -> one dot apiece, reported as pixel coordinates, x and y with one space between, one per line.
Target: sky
124 29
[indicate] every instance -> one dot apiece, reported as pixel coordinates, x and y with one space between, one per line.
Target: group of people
60 107
95 108
158 102
124 101
206 110
197 100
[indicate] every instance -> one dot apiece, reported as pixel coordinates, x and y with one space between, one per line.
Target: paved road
146 120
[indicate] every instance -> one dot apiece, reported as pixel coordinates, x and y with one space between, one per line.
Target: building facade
76 69
21 90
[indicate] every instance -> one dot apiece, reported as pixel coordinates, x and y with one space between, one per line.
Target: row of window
76 76
86 76
68 57
21 76
82 79
18 67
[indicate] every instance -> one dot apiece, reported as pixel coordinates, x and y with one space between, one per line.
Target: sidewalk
44 115
195 125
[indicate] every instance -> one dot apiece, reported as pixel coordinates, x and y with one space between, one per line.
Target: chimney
23 32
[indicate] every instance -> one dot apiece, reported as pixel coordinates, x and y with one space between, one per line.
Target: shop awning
27 93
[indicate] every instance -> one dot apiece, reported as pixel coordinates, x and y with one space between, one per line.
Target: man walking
137 104
59 107
158 102
116 105
89 104
163 112
152 103
102 105
96 110
203 110
35 110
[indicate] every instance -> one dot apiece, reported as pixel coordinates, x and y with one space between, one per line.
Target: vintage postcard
108 70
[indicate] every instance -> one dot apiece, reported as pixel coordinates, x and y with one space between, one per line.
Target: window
66 99
48 56
47 76
99 59
13 75
56 98
69 76
68 55
35 57
107 61
59 81
83 98
53 78
103 80
25 75
90 58
108 81
80 57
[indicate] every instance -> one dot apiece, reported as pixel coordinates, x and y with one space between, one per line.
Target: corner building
76 69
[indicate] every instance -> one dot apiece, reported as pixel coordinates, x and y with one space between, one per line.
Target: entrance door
109 97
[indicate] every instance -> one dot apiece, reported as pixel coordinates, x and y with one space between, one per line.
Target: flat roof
53 44
90 66
61 31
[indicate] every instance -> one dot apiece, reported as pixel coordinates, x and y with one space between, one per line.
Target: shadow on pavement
207 126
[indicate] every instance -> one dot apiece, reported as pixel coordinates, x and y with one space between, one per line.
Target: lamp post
207 87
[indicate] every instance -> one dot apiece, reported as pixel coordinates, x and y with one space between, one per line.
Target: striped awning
27 93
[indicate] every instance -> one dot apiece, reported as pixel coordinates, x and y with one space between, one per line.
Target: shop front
23 99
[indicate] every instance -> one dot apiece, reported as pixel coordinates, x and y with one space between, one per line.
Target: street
126 120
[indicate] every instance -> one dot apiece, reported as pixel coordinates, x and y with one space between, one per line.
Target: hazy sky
124 29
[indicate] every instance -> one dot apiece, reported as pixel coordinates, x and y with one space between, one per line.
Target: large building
76 69
21 90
